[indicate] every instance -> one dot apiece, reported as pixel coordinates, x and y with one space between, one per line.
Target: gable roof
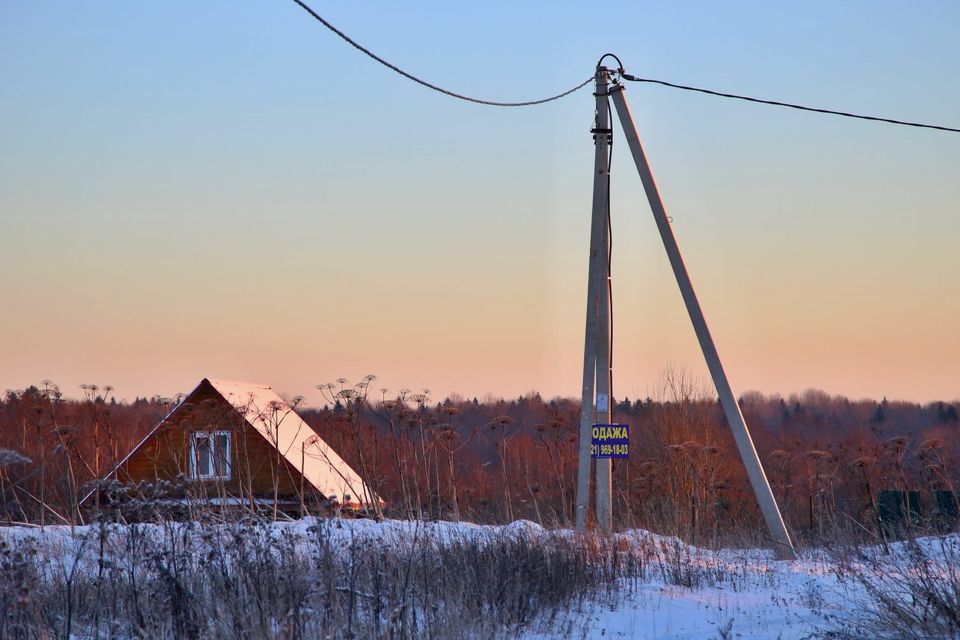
281 426
302 447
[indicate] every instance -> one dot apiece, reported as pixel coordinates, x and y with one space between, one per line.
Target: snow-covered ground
748 594
681 591
745 595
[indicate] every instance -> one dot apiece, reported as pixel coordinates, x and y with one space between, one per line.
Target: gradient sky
225 189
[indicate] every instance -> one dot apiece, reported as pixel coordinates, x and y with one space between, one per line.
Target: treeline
52 448
827 457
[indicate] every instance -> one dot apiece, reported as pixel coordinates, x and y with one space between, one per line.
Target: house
240 444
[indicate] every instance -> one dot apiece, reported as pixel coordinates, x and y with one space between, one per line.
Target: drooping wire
789 105
410 76
626 76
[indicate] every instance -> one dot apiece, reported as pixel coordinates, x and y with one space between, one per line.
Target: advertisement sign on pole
610 441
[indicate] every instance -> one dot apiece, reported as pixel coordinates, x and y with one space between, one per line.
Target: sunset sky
225 189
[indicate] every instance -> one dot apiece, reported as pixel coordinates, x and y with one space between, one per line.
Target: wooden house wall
254 461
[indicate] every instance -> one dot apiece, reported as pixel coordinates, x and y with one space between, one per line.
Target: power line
410 76
626 76
789 105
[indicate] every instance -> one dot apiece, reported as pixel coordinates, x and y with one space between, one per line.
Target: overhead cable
626 76
777 103
410 76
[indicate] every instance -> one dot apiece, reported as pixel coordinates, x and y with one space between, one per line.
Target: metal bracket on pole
741 435
596 362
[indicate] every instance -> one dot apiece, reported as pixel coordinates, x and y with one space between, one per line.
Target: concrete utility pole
748 453
597 374
595 407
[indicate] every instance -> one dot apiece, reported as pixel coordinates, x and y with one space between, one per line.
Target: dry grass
252 580
910 590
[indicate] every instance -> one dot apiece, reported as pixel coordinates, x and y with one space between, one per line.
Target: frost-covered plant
19 608
253 579
916 595
10 457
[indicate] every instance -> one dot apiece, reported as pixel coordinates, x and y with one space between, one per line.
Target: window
210 455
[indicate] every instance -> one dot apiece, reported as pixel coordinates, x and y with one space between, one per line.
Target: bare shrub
19 609
253 580
910 591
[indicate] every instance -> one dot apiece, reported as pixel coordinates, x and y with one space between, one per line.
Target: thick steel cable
777 103
410 76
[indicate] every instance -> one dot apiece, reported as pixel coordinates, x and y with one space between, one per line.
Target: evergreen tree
879 415
947 413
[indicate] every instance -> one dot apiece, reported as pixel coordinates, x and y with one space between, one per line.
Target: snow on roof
276 421
302 447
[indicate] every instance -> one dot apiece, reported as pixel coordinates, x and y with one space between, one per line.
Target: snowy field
677 591
744 594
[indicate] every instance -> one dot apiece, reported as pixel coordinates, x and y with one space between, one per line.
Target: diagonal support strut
741 435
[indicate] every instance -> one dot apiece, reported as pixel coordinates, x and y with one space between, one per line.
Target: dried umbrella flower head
931 444
897 442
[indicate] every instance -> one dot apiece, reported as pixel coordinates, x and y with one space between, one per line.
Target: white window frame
212 437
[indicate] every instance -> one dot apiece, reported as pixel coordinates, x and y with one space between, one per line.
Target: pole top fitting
600 66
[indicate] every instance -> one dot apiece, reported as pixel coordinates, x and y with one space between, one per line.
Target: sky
227 190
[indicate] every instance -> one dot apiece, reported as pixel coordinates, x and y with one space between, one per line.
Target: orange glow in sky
251 200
